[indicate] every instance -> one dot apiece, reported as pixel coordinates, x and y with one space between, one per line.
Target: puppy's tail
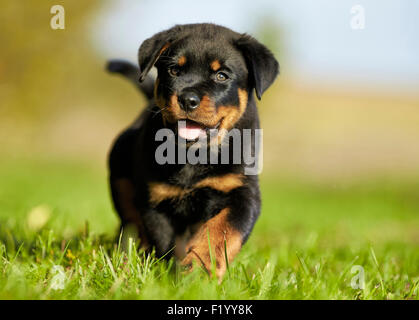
132 73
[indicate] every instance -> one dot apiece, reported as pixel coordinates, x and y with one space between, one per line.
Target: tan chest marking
163 191
224 183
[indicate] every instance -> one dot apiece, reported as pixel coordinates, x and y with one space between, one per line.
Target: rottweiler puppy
206 78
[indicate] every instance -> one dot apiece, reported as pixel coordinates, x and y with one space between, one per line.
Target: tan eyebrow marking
215 65
181 61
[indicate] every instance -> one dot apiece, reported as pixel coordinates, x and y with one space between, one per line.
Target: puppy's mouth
192 130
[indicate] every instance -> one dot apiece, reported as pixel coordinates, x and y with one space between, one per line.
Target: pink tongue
190 131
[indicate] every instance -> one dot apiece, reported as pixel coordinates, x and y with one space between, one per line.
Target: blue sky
319 43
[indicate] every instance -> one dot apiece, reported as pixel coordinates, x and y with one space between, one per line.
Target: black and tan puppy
206 78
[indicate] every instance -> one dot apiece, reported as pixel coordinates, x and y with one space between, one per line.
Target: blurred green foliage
304 245
45 71
39 70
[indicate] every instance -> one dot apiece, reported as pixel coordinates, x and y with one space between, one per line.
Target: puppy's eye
174 71
221 76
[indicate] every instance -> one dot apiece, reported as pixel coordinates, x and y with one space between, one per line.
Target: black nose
189 101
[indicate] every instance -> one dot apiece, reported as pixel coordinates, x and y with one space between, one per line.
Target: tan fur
224 183
224 240
231 115
163 191
181 61
206 113
167 45
215 65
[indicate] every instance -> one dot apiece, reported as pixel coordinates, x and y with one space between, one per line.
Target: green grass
304 245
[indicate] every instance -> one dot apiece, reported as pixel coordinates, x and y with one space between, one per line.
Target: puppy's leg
160 232
122 187
224 239
227 231
132 224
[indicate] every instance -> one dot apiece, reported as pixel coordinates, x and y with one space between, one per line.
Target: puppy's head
205 75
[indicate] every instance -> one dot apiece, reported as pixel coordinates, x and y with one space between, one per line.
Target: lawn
58 230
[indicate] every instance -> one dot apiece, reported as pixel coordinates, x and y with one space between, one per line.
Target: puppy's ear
261 64
151 50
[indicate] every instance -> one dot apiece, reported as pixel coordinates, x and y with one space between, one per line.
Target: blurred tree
37 62
42 70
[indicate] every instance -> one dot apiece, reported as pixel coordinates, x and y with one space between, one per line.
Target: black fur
249 66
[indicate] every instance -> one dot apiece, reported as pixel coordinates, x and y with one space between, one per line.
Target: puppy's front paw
225 243
198 254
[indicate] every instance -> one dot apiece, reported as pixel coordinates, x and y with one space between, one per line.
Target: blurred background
343 117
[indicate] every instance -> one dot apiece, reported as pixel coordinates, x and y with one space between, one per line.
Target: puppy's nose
189 101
